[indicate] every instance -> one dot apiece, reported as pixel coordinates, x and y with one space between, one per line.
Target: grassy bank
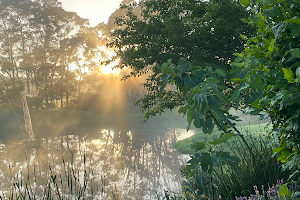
249 126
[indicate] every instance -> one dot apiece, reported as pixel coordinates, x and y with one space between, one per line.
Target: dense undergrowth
260 177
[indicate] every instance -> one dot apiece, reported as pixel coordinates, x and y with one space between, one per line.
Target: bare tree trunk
27 119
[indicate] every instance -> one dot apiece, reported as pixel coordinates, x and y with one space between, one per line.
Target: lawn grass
249 126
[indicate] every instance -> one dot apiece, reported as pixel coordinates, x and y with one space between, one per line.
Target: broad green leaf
166 68
245 2
224 137
221 72
285 153
190 115
190 82
293 20
164 79
235 95
227 157
296 194
236 80
239 54
223 98
295 29
256 82
198 123
256 104
197 146
288 75
209 68
211 83
273 11
184 109
197 99
271 47
208 126
284 191
295 53
193 165
256 111
236 168
278 149
204 94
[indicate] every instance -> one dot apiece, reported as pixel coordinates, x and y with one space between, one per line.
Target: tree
202 32
270 72
40 43
263 80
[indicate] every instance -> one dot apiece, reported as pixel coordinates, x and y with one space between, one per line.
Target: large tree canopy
203 32
263 80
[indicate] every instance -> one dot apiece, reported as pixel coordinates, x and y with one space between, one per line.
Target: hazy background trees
47 49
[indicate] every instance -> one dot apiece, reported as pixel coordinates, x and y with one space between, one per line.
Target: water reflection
134 165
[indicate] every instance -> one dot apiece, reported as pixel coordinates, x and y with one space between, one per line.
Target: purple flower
280 182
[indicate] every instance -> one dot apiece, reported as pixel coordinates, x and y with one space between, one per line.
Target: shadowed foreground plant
260 169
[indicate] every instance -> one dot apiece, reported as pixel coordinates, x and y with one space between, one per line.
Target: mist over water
99 132
134 165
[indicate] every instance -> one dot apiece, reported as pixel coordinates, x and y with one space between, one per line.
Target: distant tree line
50 50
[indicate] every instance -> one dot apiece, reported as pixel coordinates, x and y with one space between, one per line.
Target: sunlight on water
134 165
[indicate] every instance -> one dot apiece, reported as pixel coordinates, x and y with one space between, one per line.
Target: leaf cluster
202 32
269 70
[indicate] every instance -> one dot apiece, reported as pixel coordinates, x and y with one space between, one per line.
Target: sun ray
110 68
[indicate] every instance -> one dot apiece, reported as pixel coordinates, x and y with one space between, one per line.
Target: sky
96 11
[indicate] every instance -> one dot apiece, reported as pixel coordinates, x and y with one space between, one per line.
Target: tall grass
260 169
72 183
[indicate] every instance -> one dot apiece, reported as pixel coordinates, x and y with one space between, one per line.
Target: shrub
260 169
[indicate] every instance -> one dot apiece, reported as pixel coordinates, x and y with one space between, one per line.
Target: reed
72 182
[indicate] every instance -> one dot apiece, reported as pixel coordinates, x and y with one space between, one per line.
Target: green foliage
206 160
206 94
263 78
263 81
270 72
262 169
201 31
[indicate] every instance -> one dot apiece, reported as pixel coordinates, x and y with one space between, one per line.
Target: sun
109 69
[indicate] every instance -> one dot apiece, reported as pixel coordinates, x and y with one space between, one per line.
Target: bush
261 169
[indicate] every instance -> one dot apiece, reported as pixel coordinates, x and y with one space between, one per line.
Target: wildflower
280 182
255 187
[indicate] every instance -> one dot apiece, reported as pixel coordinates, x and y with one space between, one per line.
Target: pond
127 164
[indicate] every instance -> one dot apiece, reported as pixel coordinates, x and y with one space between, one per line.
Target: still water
127 164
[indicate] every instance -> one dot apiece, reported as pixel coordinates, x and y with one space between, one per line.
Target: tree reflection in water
134 165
